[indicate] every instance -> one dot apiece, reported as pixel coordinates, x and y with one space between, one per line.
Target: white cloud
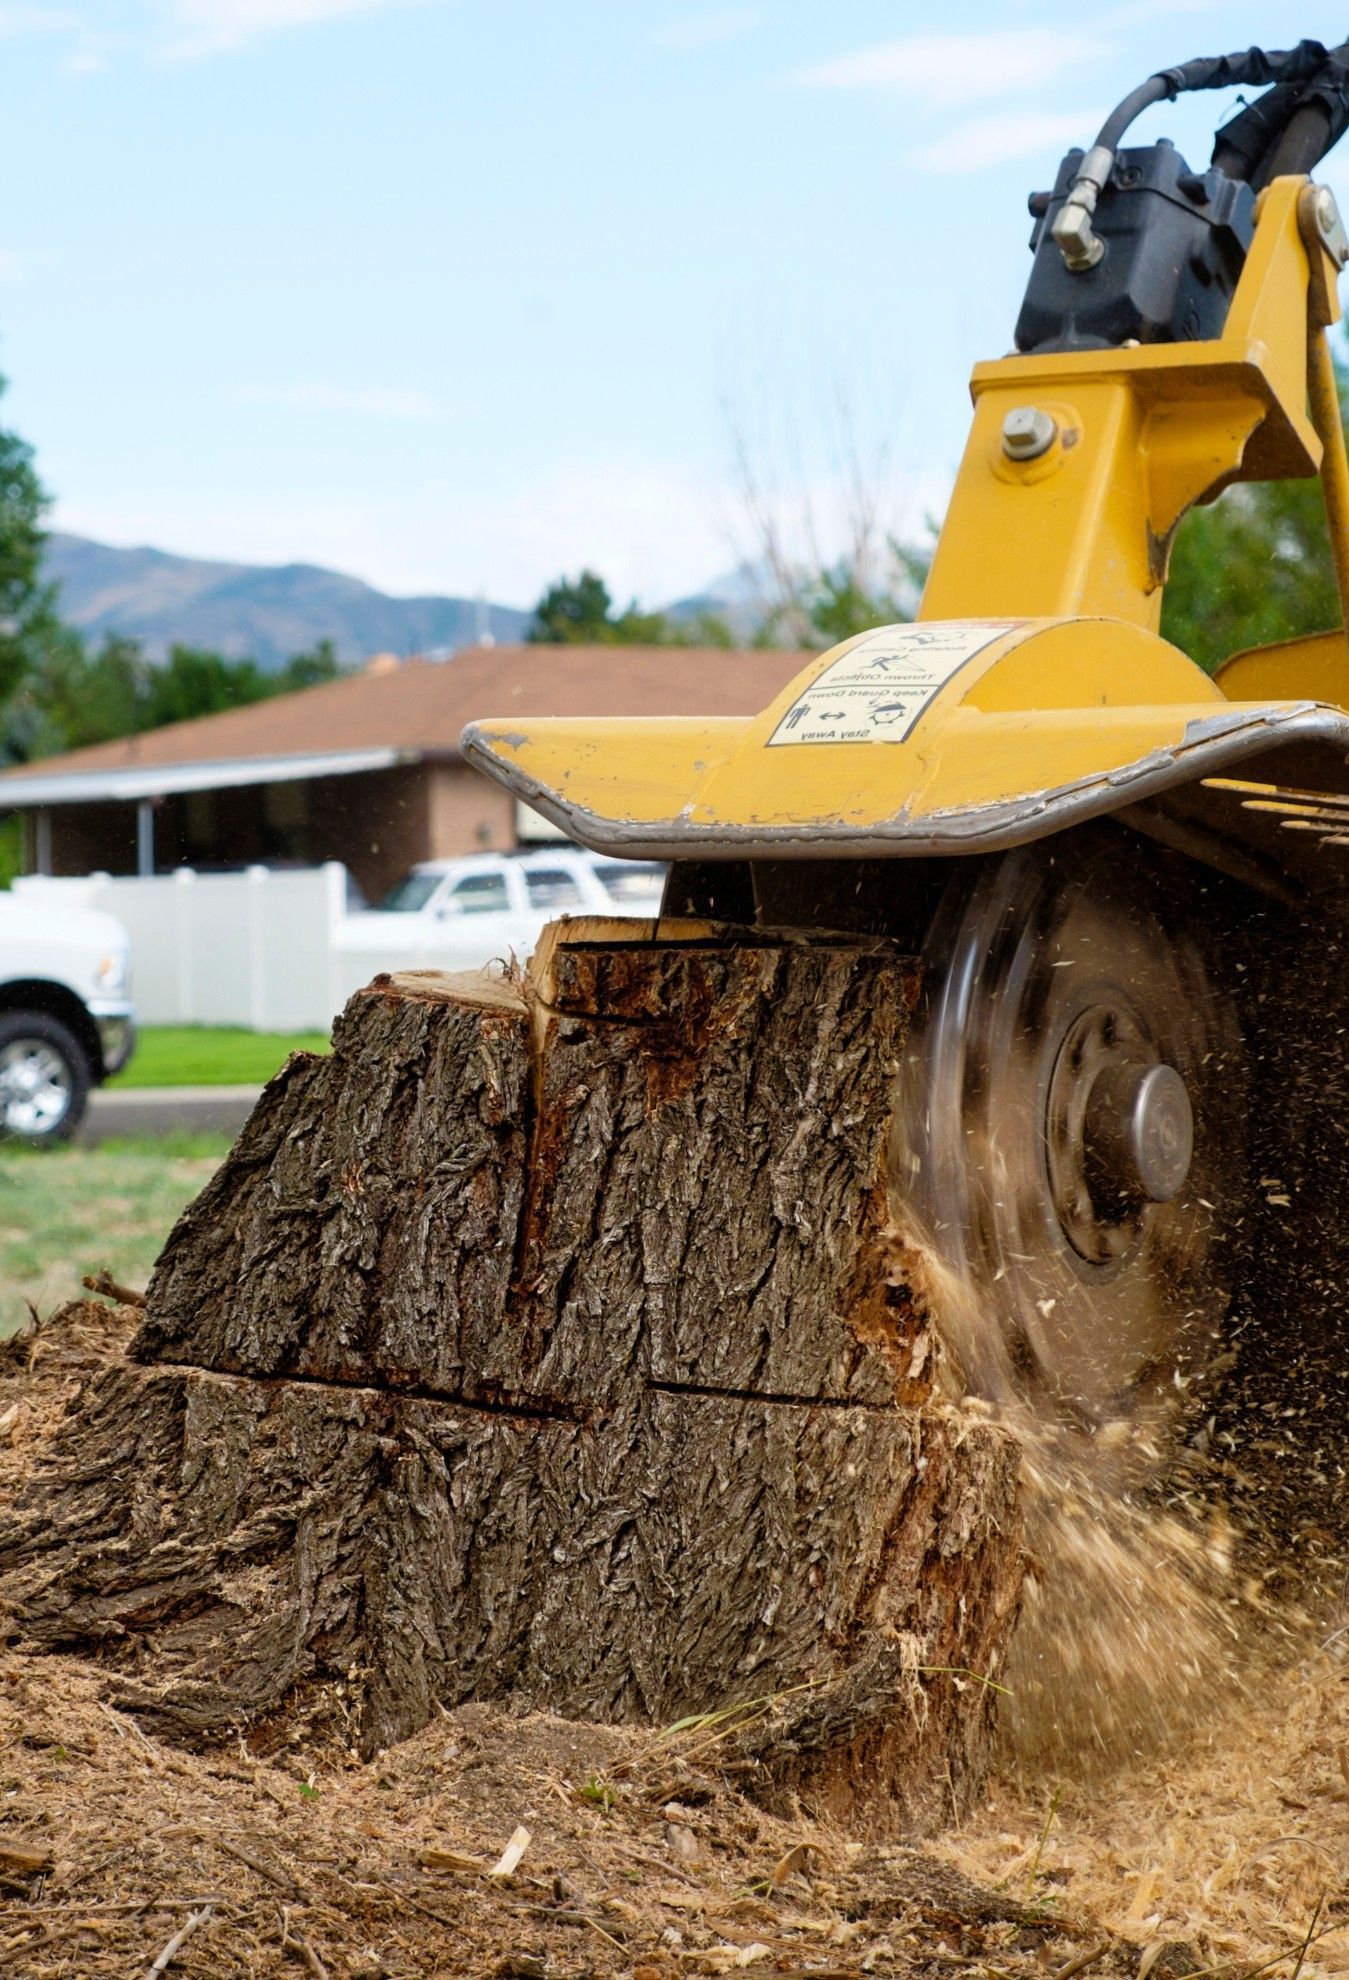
958 68
696 31
11 267
386 402
997 139
211 27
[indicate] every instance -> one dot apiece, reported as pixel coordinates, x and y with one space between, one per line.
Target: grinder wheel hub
1146 1124
1119 1130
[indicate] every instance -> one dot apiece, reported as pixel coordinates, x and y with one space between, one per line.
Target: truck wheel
44 1078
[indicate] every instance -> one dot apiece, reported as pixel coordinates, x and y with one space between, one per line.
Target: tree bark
551 1343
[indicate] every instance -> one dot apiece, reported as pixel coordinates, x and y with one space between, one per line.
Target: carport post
145 838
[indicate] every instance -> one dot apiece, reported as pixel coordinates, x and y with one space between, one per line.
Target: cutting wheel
1068 1127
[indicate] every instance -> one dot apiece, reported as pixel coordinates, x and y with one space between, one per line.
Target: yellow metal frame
1056 698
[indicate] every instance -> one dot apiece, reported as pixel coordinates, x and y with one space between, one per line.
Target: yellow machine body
1033 689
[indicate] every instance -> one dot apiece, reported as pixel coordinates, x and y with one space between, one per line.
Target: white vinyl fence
257 948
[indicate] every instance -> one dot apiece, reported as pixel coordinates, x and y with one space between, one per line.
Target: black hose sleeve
1250 67
1257 67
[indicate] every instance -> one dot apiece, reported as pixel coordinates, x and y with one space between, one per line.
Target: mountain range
256 611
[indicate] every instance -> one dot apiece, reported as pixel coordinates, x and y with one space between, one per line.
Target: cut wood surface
551 1344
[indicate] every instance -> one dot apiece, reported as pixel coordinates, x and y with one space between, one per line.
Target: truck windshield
411 893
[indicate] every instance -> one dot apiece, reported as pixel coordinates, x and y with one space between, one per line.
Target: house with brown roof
366 769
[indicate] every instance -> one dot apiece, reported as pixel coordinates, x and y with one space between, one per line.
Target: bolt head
1028 432
1330 226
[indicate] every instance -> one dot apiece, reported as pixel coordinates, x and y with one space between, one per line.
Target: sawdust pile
640 1862
530 1846
1235 1840
488 1844
485 1845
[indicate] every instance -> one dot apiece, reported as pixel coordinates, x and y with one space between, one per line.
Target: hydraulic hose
1305 111
1307 138
1157 89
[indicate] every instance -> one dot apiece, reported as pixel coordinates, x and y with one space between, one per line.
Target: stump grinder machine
1028 785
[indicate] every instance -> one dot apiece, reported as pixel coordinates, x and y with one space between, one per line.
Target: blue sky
457 296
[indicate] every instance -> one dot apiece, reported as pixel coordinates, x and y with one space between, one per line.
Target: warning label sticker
877 691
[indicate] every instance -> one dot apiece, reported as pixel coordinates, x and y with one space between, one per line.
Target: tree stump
549 1342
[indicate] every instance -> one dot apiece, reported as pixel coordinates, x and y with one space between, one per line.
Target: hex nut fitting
1076 239
1027 433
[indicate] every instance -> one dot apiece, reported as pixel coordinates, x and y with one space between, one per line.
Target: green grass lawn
68 1211
207 1055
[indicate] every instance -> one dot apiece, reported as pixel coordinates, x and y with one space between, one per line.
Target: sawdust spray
1140 1613
1177 1553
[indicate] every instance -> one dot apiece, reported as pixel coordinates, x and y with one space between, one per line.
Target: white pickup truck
465 913
66 1017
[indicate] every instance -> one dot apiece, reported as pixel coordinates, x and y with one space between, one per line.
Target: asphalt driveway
116 1112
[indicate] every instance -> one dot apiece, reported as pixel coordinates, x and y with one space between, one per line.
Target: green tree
71 697
821 607
194 682
319 663
706 629
580 612
1252 567
27 614
574 611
